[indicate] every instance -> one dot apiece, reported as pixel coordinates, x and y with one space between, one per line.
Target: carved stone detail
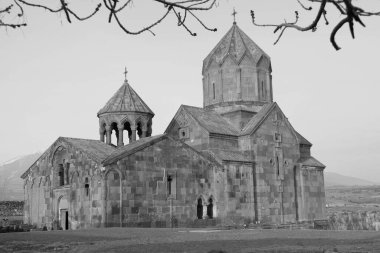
182 120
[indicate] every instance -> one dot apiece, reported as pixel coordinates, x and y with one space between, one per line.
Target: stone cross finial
125 74
234 14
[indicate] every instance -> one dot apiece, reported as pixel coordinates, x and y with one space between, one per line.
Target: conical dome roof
125 100
236 44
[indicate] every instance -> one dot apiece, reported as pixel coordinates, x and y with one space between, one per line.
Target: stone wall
284 192
275 161
11 209
228 143
239 119
239 194
355 221
141 196
312 204
43 192
184 128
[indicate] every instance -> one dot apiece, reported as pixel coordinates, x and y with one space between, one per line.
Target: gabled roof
98 150
236 44
256 120
260 117
311 161
95 149
302 140
125 100
132 148
211 121
146 142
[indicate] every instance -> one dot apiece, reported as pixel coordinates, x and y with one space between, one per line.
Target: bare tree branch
351 13
7 11
117 9
183 10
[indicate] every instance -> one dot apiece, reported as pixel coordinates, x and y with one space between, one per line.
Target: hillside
11 185
335 179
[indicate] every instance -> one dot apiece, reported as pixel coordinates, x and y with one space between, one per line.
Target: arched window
210 208
278 166
199 209
149 128
102 132
213 90
127 134
87 187
263 89
61 174
169 183
114 134
67 179
139 130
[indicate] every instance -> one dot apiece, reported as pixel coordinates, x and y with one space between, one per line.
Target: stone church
237 160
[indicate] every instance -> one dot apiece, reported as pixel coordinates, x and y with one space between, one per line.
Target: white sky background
55 76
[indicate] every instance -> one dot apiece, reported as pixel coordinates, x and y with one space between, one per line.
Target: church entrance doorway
63 213
64 219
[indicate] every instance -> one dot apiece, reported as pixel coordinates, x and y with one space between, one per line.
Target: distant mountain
11 185
335 179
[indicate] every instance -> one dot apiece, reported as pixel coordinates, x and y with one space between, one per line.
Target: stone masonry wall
145 199
43 193
355 221
195 135
312 203
239 194
274 169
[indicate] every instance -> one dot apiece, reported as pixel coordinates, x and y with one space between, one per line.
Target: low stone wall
355 220
11 208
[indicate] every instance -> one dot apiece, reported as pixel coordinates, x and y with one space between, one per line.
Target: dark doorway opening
67 221
64 219
209 209
199 209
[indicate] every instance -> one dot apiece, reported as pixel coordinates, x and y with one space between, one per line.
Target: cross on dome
234 14
125 74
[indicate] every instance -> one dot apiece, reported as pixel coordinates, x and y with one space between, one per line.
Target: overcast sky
55 76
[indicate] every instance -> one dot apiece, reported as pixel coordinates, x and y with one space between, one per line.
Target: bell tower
125 113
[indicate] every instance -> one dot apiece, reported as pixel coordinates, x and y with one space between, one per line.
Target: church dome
235 44
237 70
125 100
125 112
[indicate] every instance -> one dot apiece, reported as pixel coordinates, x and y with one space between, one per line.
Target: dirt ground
190 240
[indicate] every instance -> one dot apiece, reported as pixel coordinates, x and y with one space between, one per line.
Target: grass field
339 199
190 240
